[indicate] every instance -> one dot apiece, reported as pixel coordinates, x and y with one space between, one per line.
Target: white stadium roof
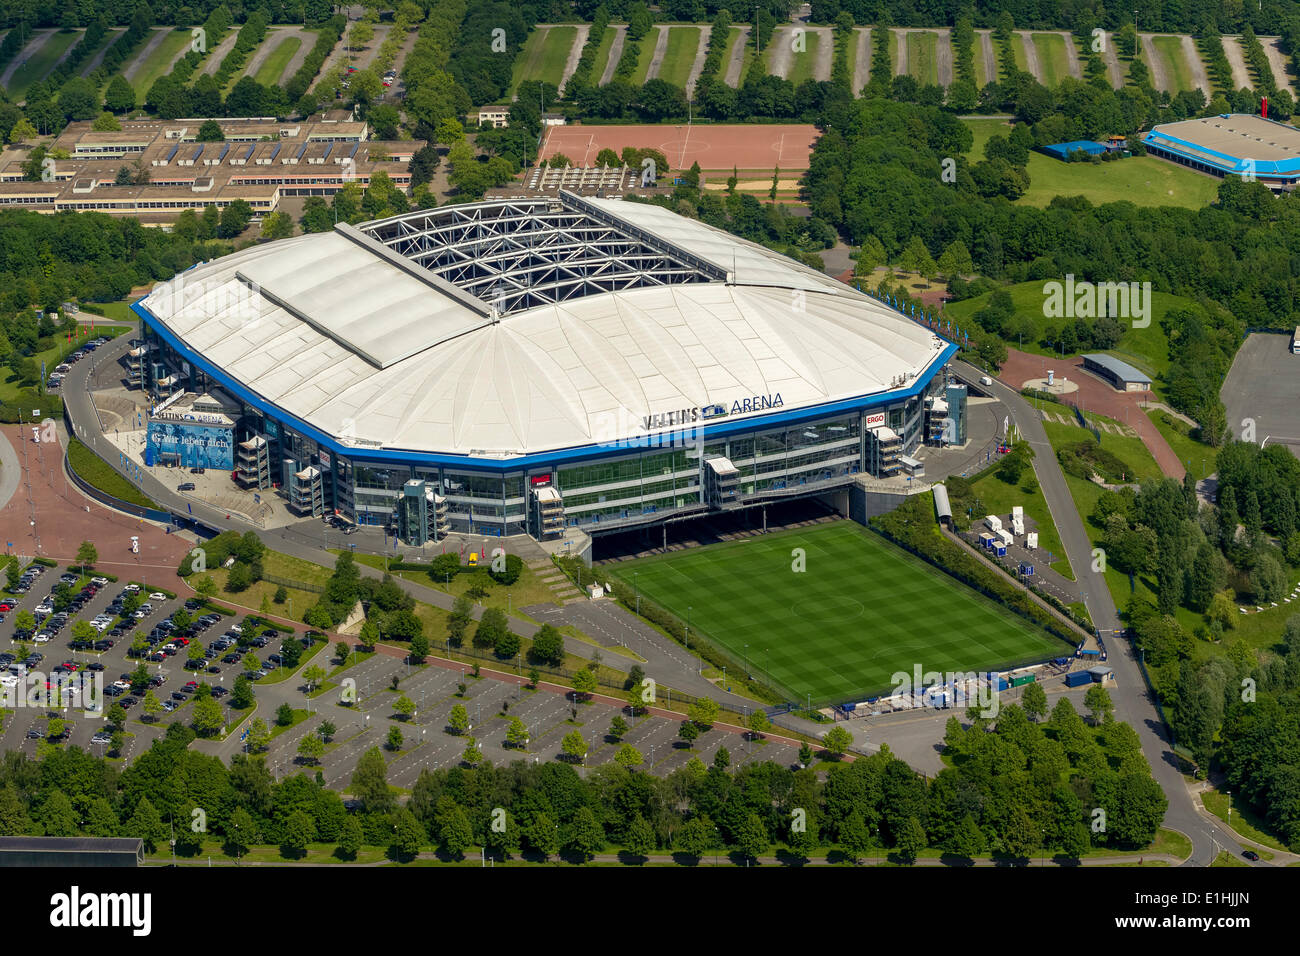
513 327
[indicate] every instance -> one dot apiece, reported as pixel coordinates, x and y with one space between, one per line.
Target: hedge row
330 34
88 43
214 31
13 42
125 45
251 34
587 61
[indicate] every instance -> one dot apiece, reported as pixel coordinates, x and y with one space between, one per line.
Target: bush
514 568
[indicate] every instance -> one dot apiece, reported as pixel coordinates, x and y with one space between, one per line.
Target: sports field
714 147
860 612
923 57
1177 69
1052 58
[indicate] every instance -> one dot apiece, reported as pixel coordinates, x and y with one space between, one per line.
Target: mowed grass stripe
922 57
40 63
1052 58
1177 70
804 64
159 62
679 56
862 611
544 55
269 73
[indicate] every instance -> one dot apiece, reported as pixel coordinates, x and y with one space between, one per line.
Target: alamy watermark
1087 300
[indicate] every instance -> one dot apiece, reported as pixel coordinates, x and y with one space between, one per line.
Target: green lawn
1018 48
41 62
1052 58
1187 448
999 498
1146 348
270 71
1244 819
117 311
860 612
97 471
1177 69
56 349
1143 180
1127 449
160 61
602 55
544 55
922 57
732 39
804 65
683 43
984 130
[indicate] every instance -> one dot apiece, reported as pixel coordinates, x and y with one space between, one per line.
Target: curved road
1133 701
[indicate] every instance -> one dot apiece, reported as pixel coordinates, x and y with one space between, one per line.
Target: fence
291 583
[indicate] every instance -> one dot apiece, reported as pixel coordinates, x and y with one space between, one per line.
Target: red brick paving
1094 395
63 521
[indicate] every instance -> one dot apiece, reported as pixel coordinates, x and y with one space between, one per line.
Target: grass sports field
1143 180
860 612
270 71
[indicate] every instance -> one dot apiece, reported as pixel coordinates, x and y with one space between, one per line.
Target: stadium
525 366
1231 144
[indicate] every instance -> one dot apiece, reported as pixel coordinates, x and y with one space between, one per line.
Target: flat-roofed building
1232 144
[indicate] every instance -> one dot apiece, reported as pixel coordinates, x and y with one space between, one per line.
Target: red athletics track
751 146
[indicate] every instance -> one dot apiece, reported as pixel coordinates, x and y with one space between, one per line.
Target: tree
394 740
471 755
350 839
234 220
1034 701
758 723
703 712
206 717
640 841
492 627
837 740
312 747
507 645
241 698
1097 700
455 832
241 831
313 675
342 650
628 756
370 782
152 705
543 835
805 754
689 731
299 830
573 746
458 719
516 733
587 836
618 727
278 225
911 840
259 735
584 682
22 131
87 555
120 96
284 715
106 123
210 132
751 838
326 730
404 707
147 824
548 646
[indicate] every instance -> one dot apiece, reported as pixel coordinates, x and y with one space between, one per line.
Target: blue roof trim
1228 162
544 459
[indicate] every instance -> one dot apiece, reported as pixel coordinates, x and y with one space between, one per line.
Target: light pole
688 627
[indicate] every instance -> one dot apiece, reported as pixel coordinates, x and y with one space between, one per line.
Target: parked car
185 486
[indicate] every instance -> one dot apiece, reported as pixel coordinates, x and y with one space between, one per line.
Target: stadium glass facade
797 453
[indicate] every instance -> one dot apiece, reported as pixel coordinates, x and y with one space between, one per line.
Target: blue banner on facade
191 446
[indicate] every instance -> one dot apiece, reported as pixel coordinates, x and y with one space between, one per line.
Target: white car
43 609
100 581
157 596
41 639
141 614
9 680
124 684
131 587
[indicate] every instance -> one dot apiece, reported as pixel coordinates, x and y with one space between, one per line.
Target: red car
192 684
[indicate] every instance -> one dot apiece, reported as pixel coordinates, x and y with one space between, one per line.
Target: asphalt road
1133 702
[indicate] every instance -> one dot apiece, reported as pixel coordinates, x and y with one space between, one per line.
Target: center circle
829 610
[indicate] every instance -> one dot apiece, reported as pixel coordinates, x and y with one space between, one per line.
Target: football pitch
861 611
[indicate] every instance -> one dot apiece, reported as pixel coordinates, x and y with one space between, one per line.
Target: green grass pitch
861 611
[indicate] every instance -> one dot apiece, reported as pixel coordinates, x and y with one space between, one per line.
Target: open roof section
516 254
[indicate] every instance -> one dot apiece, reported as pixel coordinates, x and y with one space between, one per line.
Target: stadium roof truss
517 254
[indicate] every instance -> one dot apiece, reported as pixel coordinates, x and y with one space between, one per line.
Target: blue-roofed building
1231 144
1118 372
1062 151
